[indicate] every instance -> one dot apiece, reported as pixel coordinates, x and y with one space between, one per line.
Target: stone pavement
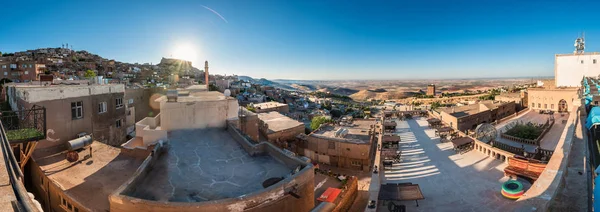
449 181
573 195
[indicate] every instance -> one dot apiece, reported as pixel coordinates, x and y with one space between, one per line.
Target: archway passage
562 106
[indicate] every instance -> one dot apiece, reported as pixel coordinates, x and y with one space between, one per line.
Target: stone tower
206 73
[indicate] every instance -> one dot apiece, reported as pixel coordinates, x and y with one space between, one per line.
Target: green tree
89 74
251 108
318 121
212 87
435 105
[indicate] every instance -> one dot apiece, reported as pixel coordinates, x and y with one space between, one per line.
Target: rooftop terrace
358 132
467 110
90 180
203 165
269 105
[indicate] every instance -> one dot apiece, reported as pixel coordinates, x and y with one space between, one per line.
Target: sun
185 52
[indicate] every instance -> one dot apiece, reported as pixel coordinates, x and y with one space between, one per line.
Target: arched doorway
562 106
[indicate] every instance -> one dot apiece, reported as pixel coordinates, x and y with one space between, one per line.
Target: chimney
206 73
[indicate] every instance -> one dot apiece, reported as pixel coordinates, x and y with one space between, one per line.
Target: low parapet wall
544 189
347 196
276 197
546 127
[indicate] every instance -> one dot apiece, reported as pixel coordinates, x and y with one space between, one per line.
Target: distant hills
266 82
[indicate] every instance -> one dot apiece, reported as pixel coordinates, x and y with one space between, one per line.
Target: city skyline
312 40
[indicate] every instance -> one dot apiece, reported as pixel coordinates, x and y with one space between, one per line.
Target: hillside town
85 133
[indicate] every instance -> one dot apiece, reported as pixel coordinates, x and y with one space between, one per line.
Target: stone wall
546 127
143 101
346 198
273 198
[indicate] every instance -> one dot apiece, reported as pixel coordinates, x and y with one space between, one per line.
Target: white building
570 69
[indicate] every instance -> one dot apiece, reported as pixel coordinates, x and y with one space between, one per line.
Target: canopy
400 192
445 129
588 99
593 117
461 141
330 195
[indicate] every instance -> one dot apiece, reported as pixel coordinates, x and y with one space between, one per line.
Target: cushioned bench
524 168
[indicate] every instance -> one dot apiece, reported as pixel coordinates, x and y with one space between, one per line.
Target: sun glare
185 52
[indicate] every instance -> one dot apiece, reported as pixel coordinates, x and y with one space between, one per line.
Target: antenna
580 44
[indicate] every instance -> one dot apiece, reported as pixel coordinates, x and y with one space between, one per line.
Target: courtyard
549 140
449 181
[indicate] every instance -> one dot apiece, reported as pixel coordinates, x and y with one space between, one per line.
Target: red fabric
329 195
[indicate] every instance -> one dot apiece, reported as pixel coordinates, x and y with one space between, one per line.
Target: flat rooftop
278 122
467 110
203 165
358 132
201 96
90 181
269 105
34 92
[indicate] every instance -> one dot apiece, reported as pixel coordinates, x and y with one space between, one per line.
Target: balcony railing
23 200
25 125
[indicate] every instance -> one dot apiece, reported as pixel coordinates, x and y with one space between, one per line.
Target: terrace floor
204 165
449 181
548 142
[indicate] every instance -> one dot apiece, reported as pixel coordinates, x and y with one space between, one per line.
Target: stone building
469 116
569 69
60 185
209 165
554 99
272 106
519 98
21 71
75 110
346 146
279 129
430 90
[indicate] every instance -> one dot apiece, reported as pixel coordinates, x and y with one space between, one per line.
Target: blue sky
316 39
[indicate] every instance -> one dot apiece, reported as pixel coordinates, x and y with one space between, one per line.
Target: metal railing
25 125
24 202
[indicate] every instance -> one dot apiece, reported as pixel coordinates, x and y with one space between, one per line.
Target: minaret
206 73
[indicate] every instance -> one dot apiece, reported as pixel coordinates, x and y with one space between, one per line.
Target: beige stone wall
283 109
548 99
143 101
347 197
61 127
48 193
344 154
284 135
248 124
471 121
197 114
274 198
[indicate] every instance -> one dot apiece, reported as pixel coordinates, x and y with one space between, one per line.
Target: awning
445 129
433 121
400 192
330 195
593 118
461 141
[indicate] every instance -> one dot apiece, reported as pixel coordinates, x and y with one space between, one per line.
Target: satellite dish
486 132
227 92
